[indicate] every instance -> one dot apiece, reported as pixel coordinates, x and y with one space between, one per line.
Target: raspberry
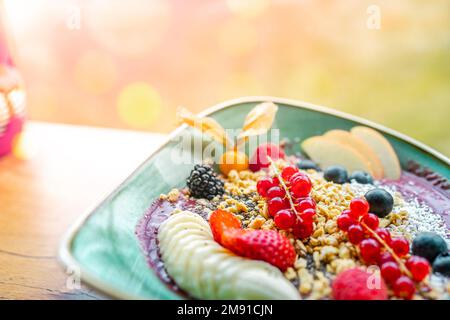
400 246
370 250
285 219
220 221
359 207
390 271
288 172
404 288
259 159
276 204
265 245
264 184
355 233
344 221
419 267
357 284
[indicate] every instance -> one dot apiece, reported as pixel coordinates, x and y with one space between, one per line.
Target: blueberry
429 245
336 174
380 201
442 264
308 164
361 177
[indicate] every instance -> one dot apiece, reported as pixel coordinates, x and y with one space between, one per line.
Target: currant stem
389 249
283 184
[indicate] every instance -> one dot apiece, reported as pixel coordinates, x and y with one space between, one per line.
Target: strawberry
266 245
220 221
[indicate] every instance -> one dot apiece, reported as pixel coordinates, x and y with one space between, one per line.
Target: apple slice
383 148
327 152
364 149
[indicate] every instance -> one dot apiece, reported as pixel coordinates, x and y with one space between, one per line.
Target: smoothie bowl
291 201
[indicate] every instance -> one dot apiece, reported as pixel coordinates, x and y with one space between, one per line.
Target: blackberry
204 183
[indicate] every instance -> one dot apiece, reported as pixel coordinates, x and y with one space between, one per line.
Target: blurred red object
12 96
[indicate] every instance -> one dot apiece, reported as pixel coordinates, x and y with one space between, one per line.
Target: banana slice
206 270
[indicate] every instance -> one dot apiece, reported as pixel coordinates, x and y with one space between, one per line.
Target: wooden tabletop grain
66 170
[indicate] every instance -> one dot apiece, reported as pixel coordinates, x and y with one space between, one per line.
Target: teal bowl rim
65 254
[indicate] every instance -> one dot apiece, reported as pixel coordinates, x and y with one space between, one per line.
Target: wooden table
70 168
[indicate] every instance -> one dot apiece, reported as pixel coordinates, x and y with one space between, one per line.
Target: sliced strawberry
265 245
220 221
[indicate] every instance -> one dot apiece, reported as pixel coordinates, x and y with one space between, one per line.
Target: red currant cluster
288 200
376 246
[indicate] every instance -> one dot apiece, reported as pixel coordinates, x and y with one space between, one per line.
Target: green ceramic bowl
103 245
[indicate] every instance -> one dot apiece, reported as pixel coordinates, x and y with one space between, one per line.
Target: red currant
344 221
285 219
308 215
371 221
385 235
276 204
276 192
298 175
359 207
355 233
419 267
304 203
370 250
288 172
390 271
264 184
300 186
385 257
400 246
404 287
303 229
276 181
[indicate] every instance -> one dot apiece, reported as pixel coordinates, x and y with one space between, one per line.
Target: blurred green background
131 64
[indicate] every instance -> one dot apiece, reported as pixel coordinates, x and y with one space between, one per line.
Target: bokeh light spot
238 37
248 8
132 29
24 147
95 72
139 105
